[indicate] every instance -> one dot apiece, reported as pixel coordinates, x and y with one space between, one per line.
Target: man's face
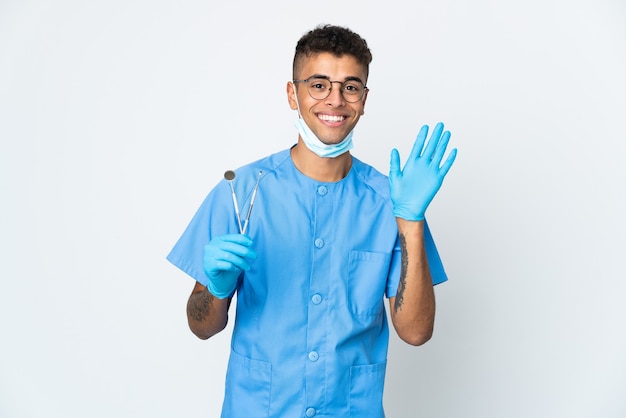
332 118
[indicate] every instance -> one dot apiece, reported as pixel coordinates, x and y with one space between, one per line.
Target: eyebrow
349 78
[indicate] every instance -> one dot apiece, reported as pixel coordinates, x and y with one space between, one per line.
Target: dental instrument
256 186
230 176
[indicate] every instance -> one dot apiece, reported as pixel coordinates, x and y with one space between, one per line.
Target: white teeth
330 118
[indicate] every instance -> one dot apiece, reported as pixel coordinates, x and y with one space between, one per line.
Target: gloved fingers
433 142
230 250
216 259
238 249
225 250
238 244
441 149
418 145
448 164
231 262
242 239
394 165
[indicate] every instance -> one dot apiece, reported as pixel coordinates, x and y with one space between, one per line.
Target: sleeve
435 264
214 217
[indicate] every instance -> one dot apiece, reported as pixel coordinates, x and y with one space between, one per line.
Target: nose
335 97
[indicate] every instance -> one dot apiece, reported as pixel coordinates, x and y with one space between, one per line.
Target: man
327 238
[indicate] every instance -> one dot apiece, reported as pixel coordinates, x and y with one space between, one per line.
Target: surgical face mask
314 144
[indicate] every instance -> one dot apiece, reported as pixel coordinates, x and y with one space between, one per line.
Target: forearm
206 314
413 308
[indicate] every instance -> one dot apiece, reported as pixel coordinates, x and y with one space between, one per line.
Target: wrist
409 228
407 213
220 292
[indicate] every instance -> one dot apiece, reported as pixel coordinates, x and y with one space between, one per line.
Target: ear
291 96
363 105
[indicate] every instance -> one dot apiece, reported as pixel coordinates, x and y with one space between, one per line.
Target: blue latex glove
413 188
224 260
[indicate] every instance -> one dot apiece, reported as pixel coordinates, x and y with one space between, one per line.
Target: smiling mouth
332 118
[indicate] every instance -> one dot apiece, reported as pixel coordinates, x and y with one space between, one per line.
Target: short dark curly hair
334 39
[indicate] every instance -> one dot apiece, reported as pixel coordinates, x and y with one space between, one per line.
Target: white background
117 117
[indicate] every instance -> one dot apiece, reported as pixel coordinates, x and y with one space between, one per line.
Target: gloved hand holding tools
225 258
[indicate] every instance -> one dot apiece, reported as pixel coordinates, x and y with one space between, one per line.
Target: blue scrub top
311 334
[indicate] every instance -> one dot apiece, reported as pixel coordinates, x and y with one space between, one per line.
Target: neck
328 170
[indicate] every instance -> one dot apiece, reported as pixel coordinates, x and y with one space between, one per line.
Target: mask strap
295 95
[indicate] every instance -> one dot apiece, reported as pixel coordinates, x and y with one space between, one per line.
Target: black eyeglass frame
352 79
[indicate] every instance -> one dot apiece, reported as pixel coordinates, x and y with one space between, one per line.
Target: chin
333 141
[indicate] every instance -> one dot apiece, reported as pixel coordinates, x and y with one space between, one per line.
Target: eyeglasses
319 88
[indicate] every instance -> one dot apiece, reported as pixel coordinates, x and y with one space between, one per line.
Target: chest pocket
367 278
